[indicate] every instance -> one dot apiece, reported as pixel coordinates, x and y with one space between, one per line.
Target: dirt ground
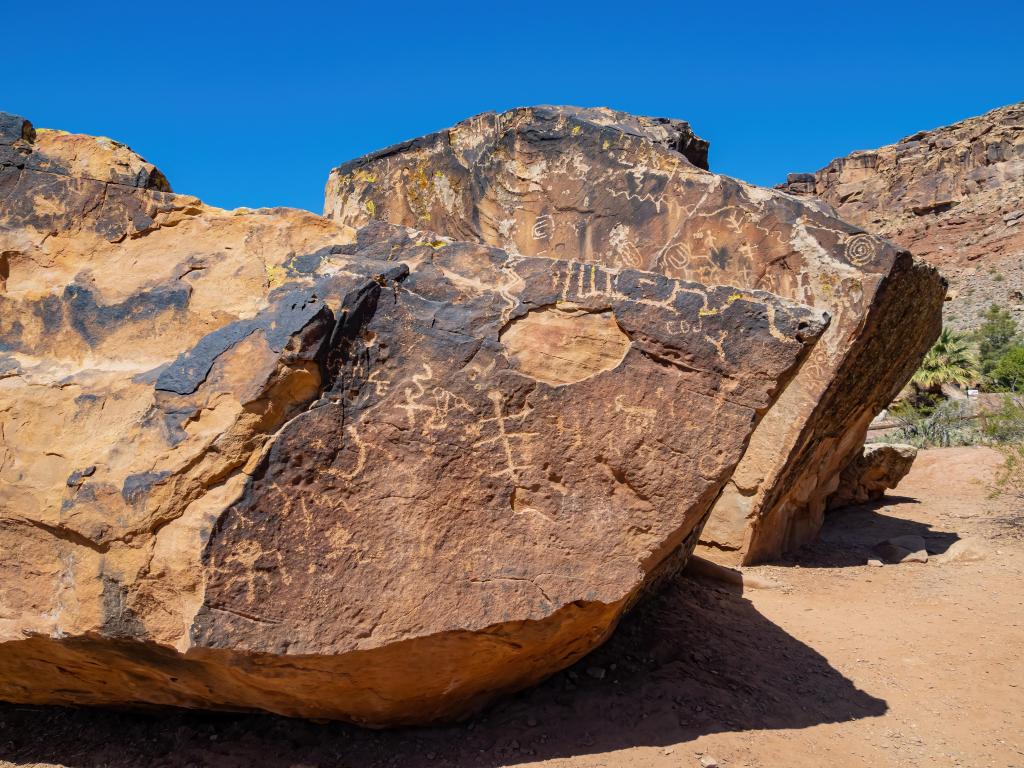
837 663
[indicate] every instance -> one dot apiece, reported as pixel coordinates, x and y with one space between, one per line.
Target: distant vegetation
969 389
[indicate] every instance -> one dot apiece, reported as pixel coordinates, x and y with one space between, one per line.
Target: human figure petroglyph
240 566
735 219
414 394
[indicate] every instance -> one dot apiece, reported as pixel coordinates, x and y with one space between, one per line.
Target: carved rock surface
954 196
260 460
602 187
879 468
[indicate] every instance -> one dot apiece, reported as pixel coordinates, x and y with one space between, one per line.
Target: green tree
947 362
1008 373
996 336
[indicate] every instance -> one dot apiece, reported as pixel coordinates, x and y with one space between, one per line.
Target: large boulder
260 460
603 187
953 195
878 468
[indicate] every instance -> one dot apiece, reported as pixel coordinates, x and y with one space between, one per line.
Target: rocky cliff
605 188
267 460
953 196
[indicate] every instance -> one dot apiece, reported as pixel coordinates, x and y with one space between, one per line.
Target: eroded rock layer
954 196
260 460
608 188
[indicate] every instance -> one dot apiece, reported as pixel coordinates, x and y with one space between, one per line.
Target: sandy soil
837 664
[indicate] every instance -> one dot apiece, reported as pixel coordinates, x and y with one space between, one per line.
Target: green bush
996 336
1007 374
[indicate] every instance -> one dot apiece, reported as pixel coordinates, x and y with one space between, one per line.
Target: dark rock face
372 475
589 186
954 196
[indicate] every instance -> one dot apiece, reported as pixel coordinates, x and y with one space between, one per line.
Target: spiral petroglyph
860 249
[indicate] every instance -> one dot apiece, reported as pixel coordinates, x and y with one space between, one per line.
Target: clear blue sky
252 104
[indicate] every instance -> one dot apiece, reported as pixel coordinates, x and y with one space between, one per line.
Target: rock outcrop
954 196
261 460
879 468
602 187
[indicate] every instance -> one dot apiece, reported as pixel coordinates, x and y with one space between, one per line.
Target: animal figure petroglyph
637 419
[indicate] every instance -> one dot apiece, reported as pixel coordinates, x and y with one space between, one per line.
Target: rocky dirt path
837 664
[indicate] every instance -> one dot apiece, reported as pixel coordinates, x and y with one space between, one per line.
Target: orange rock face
603 187
265 460
954 196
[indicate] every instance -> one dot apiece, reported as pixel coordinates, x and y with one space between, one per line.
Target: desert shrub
1010 477
929 424
996 336
1003 425
1007 375
1009 483
945 423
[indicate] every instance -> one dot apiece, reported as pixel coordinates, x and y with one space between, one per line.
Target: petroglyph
504 436
638 419
860 249
414 394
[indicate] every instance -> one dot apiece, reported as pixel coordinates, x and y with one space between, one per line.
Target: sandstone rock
952 195
259 460
602 187
969 550
903 549
879 468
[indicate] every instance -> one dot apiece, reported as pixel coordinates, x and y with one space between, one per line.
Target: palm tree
947 362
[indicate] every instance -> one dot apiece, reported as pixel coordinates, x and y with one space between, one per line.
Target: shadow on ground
691 660
850 534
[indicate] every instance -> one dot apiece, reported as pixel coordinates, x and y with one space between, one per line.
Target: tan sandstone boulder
879 468
603 187
260 460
